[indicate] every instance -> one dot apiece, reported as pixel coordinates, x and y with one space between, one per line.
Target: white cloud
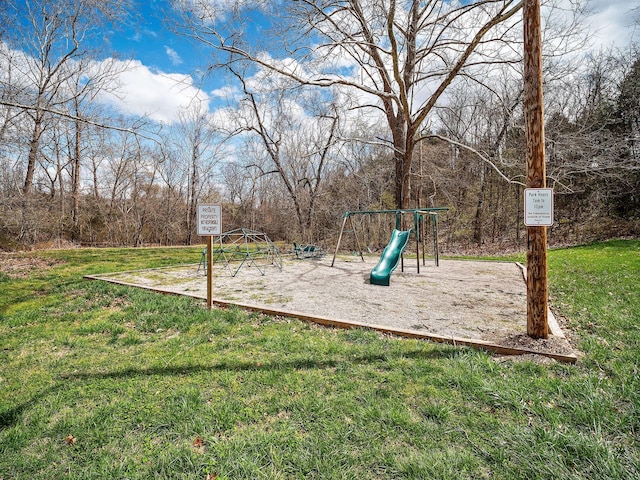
156 95
612 22
173 55
225 92
217 10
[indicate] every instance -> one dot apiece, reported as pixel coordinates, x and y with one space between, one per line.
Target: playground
477 303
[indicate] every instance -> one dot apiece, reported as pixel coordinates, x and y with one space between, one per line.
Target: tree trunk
27 233
404 145
477 223
193 197
75 184
34 147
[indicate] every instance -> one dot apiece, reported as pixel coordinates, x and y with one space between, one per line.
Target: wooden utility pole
537 284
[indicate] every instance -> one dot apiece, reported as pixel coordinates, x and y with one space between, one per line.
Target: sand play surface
476 300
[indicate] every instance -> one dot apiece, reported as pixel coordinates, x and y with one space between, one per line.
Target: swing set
421 216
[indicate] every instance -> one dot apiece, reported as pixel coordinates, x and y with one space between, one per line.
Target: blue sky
162 67
147 39
166 65
163 74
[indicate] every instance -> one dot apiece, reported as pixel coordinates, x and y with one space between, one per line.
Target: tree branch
475 152
77 119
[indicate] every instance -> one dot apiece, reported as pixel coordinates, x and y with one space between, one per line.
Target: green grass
137 378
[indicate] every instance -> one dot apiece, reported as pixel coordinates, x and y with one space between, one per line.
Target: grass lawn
102 381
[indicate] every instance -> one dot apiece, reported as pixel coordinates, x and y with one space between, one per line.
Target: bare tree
244 188
298 135
86 81
477 122
170 209
196 148
52 37
400 56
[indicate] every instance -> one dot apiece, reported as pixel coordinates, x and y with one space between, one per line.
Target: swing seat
307 251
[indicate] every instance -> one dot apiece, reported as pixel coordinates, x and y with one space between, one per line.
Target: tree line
428 112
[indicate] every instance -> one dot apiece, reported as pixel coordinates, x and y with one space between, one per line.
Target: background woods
299 138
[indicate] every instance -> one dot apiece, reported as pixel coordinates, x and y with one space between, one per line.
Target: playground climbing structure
243 248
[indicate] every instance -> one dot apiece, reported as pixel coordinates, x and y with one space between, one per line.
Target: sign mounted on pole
538 207
209 219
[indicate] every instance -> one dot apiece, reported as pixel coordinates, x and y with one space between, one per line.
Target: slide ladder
390 258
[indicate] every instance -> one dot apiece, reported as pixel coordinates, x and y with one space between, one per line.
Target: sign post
537 282
209 221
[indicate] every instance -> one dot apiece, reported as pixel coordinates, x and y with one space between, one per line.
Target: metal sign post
209 221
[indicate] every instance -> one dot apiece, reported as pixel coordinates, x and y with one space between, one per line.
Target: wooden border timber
335 323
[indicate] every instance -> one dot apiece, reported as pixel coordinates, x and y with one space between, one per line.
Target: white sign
209 219
538 207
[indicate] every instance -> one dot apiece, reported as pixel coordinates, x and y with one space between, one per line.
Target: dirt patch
23 267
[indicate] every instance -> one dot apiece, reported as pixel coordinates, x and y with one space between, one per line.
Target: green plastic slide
390 258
